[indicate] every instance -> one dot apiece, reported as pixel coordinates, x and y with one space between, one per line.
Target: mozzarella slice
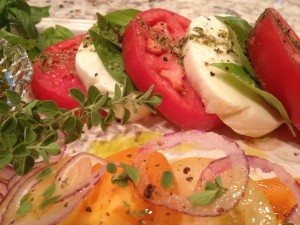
245 112
91 71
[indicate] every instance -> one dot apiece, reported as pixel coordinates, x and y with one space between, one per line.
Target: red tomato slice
274 50
151 55
54 73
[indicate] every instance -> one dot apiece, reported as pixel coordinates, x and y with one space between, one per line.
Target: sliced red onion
6 173
209 140
3 190
77 184
267 167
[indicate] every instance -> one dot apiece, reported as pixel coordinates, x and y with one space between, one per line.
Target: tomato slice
274 51
151 53
54 73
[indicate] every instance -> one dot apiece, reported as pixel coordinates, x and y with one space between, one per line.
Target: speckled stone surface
247 9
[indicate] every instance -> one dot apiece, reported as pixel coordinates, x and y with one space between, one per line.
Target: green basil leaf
111 56
242 84
37 13
22 13
53 35
121 17
240 27
26 43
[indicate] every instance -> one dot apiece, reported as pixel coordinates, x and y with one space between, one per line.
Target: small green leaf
125 115
118 92
50 137
23 165
13 97
5 158
52 149
69 123
111 168
93 93
48 193
78 95
9 140
48 202
95 117
29 135
110 117
132 172
167 179
9 125
25 206
203 198
47 107
21 150
45 173
4 108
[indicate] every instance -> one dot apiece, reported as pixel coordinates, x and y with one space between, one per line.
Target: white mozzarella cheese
245 112
91 71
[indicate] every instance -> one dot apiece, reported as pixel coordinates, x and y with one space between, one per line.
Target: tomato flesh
151 55
274 51
54 73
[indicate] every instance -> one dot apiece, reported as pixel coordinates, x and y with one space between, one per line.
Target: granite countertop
247 9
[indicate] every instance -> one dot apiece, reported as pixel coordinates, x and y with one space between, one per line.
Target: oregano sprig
30 130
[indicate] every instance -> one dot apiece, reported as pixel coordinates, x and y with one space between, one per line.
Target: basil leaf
240 27
111 56
121 17
241 83
26 43
53 35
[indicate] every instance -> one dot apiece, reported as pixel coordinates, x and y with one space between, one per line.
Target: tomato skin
54 73
276 60
148 64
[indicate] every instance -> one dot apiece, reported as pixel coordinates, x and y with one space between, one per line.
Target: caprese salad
220 87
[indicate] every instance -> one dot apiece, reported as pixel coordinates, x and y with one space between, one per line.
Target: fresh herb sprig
213 191
30 130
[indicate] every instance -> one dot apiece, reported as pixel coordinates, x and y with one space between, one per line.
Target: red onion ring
75 188
209 140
